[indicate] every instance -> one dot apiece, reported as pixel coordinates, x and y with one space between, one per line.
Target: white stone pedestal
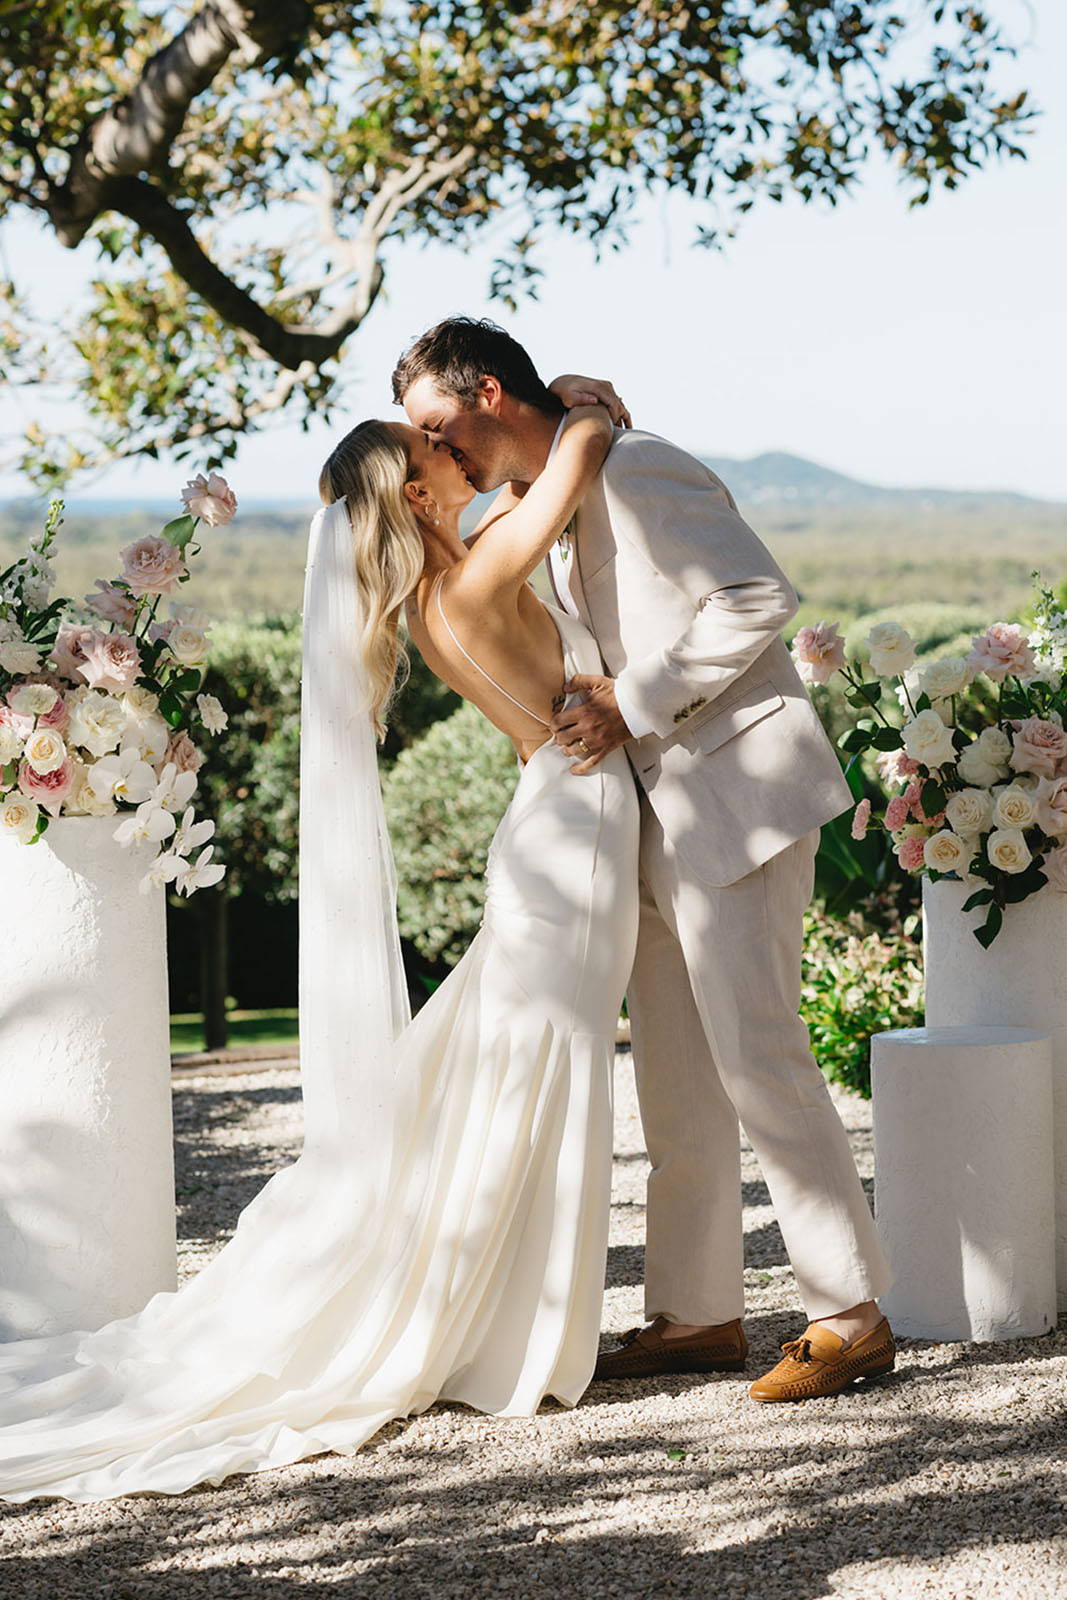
1021 981
87 1222
964 1195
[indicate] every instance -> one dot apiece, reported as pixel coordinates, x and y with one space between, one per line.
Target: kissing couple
443 1234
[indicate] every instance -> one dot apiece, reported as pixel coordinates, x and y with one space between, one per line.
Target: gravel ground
946 1479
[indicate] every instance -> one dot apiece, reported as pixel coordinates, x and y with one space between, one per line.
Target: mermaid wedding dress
443 1234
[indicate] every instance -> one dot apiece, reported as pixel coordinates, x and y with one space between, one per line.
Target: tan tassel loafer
644 1353
822 1363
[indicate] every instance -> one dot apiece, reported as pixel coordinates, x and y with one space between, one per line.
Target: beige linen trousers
736 776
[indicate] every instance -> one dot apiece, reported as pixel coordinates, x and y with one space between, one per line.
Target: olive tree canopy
243 168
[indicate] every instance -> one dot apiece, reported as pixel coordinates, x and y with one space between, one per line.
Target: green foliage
857 982
931 624
444 798
212 311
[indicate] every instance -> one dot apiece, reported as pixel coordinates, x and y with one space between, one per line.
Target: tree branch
136 134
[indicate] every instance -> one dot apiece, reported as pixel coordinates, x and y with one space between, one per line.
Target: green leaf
855 740
864 694
171 707
933 798
180 531
888 739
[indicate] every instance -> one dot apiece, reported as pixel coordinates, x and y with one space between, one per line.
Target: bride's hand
574 390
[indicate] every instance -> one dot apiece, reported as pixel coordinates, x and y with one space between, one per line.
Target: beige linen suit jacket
687 606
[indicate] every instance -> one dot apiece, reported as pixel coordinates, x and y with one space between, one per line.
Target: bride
443 1234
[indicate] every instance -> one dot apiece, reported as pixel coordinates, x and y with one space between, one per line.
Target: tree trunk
214 965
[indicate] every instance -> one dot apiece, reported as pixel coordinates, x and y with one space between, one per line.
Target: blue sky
905 347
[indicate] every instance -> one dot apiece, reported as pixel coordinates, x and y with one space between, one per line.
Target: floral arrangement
95 716
973 756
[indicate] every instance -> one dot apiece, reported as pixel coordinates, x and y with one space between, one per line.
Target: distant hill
778 479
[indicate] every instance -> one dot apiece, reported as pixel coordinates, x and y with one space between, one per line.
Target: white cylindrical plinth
964 1196
1021 981
87 1223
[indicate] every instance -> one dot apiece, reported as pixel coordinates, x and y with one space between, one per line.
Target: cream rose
187 644
140 703
985 761
969 811
928 741
18 818
97 721
44 750
1008 850
892 649
942 679
1014 807
946 852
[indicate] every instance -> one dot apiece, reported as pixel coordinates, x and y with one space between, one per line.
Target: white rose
10 743
942 679
969 811
45 750
1013 807
19 656
1007 849
945 852
212 715
892 649
149 735
984 762
188 645
140 703
18 818
33 699
97 721
928 740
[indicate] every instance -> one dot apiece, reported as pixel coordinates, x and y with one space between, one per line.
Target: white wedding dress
444 1239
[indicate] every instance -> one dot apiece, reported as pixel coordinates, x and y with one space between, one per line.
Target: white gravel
945 1480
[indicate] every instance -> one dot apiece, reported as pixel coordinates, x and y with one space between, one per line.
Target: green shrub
857 983
931 624
444 797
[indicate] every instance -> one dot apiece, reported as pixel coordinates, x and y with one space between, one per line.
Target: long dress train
474 1272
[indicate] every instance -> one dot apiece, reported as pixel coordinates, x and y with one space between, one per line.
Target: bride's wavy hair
368 469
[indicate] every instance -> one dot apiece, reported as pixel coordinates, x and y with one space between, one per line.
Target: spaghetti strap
499 687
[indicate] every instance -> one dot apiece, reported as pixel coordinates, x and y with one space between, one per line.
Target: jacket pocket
712 731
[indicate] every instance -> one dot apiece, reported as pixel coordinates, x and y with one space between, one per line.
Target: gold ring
584 748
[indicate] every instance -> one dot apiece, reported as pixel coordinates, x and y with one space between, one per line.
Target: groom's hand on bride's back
592 730
574 390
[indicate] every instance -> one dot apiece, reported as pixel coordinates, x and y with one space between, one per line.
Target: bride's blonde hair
368 470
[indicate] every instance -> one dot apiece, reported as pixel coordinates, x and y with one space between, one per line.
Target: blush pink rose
1051 806
896 765
112 662
897 812
184 754
910 852
1039 746
68 652
152 565
861 819
211 499
818 652
1002 651
162 630
1054 867
113 604
49 789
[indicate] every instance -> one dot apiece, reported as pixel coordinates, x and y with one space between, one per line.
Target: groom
735 777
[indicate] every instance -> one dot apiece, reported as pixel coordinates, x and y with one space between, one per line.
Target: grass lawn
246 1027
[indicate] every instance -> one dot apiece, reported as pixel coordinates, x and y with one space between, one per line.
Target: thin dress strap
499 687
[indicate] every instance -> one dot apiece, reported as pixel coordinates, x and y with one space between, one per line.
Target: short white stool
964 1190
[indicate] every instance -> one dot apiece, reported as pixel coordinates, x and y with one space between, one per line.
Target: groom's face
479 438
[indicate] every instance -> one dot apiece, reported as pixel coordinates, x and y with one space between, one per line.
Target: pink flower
1054 867
861 819
211 499
913 799
112 662
161 630
184 754
1051 806
895 766
897 812
113 604
910 852
68 652
1002 651
49 789
152 565
818 652
1039 747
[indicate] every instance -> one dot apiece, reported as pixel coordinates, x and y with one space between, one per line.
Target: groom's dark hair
459 352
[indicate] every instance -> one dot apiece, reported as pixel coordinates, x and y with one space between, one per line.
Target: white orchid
200 874
150 734
174 788
189 834
163 870
122 776
148 822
